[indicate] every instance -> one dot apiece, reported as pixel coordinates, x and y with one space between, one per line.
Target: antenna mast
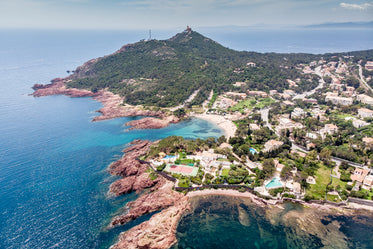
150 34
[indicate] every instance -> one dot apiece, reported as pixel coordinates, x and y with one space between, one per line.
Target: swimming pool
169 157
274 183
253 151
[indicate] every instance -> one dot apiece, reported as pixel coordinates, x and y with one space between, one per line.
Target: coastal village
313 145
299 132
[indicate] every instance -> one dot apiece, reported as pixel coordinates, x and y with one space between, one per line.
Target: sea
53 160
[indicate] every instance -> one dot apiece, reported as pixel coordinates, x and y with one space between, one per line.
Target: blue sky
164 14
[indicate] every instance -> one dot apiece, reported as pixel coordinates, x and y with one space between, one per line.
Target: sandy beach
223 122
230 192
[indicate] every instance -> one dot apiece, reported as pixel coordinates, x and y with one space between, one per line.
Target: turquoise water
169 157
53 178
253 151
274 183
53 159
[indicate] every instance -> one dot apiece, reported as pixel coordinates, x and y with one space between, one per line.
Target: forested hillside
165 73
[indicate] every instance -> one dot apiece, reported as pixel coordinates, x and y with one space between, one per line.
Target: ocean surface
53 159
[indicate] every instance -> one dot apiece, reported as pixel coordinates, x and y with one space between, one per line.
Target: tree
180 112
268 167
222 139
326 155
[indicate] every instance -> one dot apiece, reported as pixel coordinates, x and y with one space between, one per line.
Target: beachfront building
223 103
359 175
368 182
365 113
272 145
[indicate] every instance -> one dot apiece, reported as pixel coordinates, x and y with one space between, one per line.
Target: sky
164 14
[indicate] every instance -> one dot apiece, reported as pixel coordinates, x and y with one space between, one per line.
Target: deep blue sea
53 159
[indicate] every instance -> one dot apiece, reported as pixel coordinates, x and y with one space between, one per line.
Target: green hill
165 73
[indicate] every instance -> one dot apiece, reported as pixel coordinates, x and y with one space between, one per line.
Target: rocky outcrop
128 165
152 123
132 183
112 103
113 107
157 233
135 177
58 87
159 199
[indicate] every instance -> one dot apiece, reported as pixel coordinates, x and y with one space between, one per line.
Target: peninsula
298 127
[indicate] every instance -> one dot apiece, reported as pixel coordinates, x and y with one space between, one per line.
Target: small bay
53 159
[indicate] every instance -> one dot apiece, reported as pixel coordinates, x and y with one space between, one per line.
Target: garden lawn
264 102
225 172
322 180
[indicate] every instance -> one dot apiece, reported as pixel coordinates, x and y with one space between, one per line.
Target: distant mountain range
342 25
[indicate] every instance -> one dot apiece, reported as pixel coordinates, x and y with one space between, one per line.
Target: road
337 160
321 85
189 100
362 81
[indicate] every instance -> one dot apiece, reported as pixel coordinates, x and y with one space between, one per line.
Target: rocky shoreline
160 230
112 105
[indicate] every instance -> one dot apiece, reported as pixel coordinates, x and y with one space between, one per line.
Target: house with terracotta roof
272 145
359 175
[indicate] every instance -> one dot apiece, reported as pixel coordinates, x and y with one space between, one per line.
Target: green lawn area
225 172
322 179
369 192
242 105
264 102
343 115
334 198
187 161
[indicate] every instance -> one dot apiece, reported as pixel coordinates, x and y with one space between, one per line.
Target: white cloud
352 6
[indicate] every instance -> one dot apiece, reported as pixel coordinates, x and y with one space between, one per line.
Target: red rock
152 123
156 233
157 200
122 186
